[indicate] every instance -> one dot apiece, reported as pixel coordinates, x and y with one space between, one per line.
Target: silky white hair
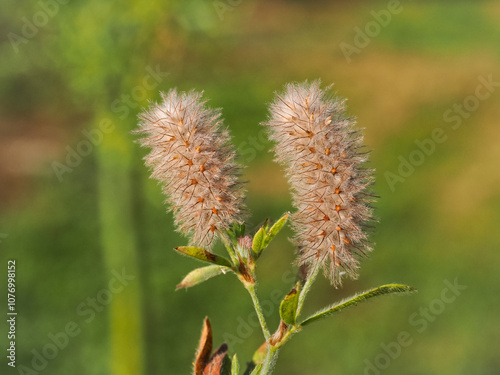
193 159
321 151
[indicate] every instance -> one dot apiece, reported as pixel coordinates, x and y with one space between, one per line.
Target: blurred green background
75 214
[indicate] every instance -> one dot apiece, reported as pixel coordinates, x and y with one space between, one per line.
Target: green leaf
288 307
266 225
260 354
257 369
264 235
352 301
200 275
275 229
235 366
229 247
258 241
236 231
204 255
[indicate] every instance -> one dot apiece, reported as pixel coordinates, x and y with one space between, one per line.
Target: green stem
268 364
272 351
287 336
305 289
258 310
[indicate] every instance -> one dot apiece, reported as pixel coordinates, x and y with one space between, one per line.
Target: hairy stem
258 310
268 364
272 350
307 286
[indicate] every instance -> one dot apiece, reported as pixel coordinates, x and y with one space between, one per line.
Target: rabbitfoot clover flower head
192 158
321 150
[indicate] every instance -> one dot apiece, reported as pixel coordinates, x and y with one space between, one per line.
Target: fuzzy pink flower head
245 242
193 159
320 148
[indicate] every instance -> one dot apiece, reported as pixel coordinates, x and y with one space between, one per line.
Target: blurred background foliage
88 61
